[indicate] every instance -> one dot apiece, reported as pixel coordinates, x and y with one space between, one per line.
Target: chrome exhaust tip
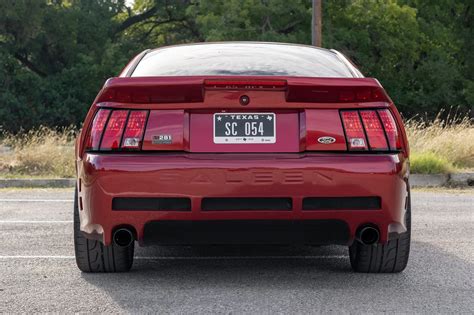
123 237
368 235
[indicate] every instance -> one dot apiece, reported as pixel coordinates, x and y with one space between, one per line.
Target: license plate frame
244 128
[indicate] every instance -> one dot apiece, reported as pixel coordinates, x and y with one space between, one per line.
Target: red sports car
242 143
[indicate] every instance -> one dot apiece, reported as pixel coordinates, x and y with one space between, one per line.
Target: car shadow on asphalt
192 271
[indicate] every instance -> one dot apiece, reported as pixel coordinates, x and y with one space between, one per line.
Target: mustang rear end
242 143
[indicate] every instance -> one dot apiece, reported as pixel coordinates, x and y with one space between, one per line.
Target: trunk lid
242 114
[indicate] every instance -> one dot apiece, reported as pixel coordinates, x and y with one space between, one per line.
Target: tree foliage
55 54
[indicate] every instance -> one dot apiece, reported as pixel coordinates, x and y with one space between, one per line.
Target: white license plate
244 128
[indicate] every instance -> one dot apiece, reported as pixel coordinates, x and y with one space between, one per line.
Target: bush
429 163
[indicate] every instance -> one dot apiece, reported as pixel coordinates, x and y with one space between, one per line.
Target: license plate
245 128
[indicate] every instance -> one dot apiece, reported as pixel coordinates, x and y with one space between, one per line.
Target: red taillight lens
133 135
114 130
246 84
374 130
97 128
390 129
117 129
371 129
354 131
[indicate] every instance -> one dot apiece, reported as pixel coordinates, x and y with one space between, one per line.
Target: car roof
250 43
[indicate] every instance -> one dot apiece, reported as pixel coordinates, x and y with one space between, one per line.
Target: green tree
382 37
446 68
55 54
258 20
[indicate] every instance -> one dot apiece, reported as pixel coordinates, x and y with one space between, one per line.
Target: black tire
93 256
383 258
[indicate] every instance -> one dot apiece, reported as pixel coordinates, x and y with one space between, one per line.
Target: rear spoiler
152 90
143 90
335 90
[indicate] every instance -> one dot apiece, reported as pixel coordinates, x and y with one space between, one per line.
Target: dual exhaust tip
123 237
368 235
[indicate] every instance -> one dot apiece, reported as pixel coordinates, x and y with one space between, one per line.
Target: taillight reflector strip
374 130
114 130
354 130
97 128
391 130
133 135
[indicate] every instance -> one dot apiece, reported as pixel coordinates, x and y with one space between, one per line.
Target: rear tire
391 257
93 256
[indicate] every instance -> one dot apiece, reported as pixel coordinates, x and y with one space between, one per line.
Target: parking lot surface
38 271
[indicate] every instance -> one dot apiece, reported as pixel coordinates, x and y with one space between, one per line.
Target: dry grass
441 146
42 152
449 142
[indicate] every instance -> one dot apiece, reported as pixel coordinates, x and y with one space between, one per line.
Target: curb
461 179
442 180
37 183
416 180
429 180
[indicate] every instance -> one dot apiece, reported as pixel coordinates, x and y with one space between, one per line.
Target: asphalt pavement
38 271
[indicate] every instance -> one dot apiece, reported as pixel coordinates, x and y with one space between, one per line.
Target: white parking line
240 257
33 222
189 257
36 200
36 257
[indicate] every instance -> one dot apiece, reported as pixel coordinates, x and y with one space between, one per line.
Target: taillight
133 135
116 130
373 130
391 130
95 133
355 135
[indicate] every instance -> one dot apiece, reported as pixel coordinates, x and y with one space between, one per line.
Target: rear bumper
197 177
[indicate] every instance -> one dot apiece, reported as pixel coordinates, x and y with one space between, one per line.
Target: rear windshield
241 59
